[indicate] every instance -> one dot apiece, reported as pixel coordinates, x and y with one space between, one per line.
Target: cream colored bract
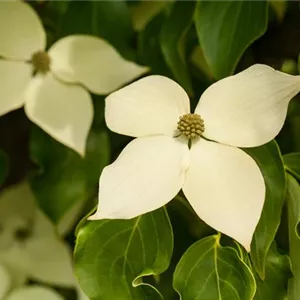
30 246
58 101
34 292
222 183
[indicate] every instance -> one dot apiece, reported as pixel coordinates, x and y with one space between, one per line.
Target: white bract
53 85
222 183
34 292
30 248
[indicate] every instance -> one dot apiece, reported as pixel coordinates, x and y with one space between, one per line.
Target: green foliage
149 49
226 29
269 160
292 164
209 271
64 177
125 252
110 20
172 39
277 271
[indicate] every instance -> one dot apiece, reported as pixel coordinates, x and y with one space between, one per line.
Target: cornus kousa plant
53 85
149 150
197 152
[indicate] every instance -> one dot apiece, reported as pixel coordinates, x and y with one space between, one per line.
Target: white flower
55 98
33 292
30 247
222 183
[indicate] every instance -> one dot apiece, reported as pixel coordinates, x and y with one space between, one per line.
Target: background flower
30 247
52 84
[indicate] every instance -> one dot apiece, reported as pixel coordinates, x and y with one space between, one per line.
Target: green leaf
149 49
269 160
225 30
143 11
279 7
294 109
289 66
209 271
64 177
273 287
112 256
198 60
292 164
172 40
110 20
293 203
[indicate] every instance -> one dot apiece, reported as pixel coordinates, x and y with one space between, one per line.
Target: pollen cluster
191 125
41 62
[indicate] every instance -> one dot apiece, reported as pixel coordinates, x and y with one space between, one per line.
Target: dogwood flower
30 248
53 85
223 184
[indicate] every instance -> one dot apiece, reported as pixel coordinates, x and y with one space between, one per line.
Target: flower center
41 62
14 230
191 125
22 234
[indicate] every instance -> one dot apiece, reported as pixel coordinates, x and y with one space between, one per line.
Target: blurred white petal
151 105
247 109
15 77
34 293
16 261
149 173
17 210
226 189
42 255
5 282
21 31
17 202
51 258
64 111
92 62
51 262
